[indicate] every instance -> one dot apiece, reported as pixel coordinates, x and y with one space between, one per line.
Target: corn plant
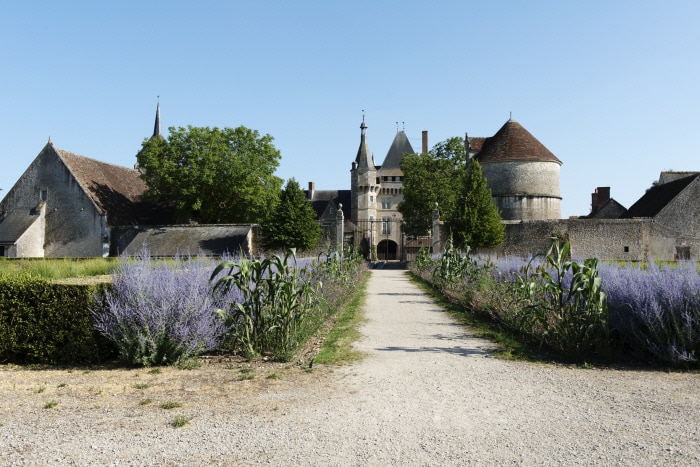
563 304
275 296
454 267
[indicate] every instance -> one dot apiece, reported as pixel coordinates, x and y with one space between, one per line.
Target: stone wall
609 239
525 190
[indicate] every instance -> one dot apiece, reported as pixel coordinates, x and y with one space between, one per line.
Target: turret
363 181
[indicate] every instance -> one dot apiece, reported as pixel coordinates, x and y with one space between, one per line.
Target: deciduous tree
212 175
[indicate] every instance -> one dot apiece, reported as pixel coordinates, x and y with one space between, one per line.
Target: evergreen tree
293 222
476 221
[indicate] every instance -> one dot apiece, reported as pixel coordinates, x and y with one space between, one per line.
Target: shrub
656 310
160 312
44 322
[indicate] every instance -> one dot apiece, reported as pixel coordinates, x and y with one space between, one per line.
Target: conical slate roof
399 148
364 157
514 143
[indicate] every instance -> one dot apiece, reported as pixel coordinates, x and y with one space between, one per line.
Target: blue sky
612 88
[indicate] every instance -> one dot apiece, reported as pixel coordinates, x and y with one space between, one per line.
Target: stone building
66 205
521 172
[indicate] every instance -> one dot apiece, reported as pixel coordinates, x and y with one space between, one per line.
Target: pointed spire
156 128
364 157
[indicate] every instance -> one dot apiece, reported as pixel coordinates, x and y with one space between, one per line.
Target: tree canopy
293 223
464 199
212 175
430 178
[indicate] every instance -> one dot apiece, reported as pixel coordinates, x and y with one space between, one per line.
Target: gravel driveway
426 394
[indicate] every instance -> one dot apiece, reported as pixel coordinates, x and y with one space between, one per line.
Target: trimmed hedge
45 322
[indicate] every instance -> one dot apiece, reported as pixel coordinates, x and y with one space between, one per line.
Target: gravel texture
426 394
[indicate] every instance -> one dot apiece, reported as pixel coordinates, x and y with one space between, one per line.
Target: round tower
522 174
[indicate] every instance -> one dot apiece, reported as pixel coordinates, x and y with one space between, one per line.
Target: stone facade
70 224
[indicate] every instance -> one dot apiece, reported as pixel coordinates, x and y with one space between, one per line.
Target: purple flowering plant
160 312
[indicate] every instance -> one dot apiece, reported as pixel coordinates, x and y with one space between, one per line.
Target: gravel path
426 394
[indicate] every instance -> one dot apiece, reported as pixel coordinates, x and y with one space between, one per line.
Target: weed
141 386
41 389
146 401
50 404
170 405
180 420
189 364
62 385
155 371
273 376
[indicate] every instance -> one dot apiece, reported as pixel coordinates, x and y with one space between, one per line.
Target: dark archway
386 250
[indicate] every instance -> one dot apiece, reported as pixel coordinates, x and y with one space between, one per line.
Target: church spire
156 128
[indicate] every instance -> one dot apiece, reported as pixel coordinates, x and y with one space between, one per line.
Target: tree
212 175
476 221
429 178
293 223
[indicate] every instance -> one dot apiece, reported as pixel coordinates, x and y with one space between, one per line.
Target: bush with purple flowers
160 312
656 310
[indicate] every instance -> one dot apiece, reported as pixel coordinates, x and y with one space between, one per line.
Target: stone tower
522 173
363 183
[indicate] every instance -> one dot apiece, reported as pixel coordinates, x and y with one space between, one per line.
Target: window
2 250
44 194
626 249
386 204
386 225
371 199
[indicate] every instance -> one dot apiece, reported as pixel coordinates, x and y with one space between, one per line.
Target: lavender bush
656 310
161 312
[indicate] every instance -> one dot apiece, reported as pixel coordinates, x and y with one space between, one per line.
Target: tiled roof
16 223
514 143
399 148
116 191
476 143
657 197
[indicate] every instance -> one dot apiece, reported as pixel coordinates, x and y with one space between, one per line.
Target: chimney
425 142
312 188
599 197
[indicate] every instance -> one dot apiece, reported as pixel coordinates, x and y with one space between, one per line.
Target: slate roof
669 176
514 143
208 240
399 148
16 223
364 157
322 198
658 197
116 191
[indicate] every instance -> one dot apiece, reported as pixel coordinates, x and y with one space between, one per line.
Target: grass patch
146 401
337 347
62 385
508 347
155 371
273 376
180 420
170 405
246 374
50 404
40 389
189 364
55 268
140 386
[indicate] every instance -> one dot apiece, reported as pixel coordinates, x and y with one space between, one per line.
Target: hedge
47 322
